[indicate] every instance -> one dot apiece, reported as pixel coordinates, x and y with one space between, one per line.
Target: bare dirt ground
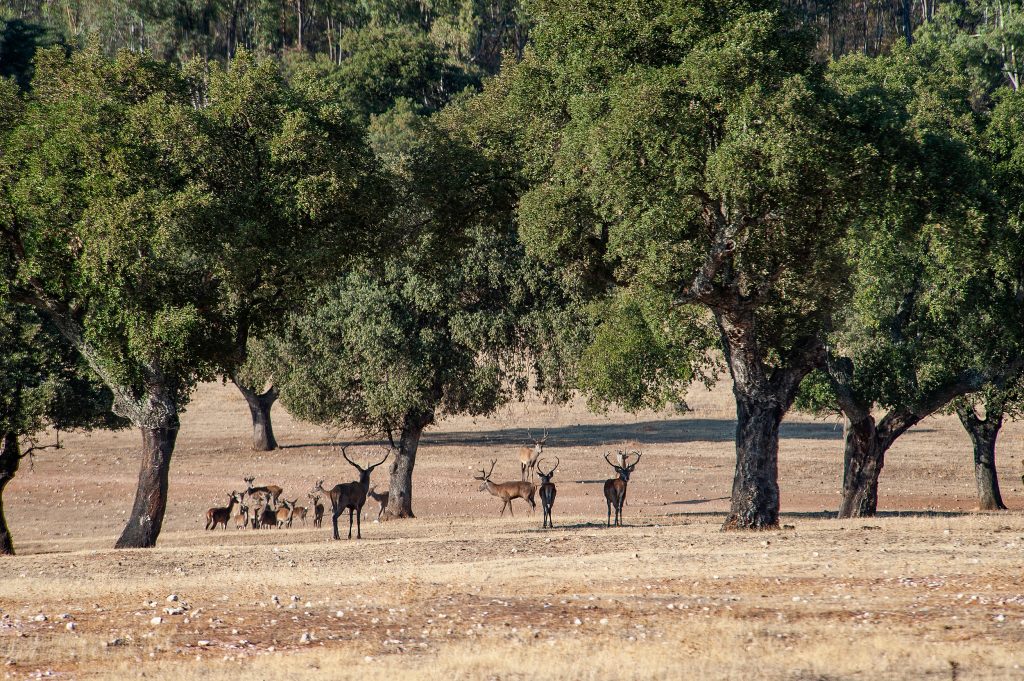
930 589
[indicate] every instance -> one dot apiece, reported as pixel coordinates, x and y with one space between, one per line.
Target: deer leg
380 512
359 527
334 519
609 512
510 509
350 513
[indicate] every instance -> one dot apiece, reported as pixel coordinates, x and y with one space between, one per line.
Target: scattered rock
173 598
117 642
174 611
40 618
71 626
203 643
156 620
305 638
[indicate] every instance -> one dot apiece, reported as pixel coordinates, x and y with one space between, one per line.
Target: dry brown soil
929 589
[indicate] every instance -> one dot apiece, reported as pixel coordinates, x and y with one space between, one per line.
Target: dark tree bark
983 433
763 396
10 458
863 458
260 404
867 441
400 490
147 516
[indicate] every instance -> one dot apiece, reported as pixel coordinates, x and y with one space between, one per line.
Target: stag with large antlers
528 456
506 491
615 489
349 495
271 491
547 492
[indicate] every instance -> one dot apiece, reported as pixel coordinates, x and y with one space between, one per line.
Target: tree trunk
143 526
763 396
10 458
863 458
400 490
983 435
755 485
263 439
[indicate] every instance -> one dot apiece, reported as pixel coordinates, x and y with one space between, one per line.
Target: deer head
485 477
625 469
545 478
538 445
364 473
318 487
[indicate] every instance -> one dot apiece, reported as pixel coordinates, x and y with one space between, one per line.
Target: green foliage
43 381
936 262
645 353
172 232
642 131
441 326
383 64
19 41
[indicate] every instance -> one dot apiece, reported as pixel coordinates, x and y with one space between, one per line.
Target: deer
221 516
286 513
349 495
547 492
300 513
615 488
318 510
268 516
506 491
528 456
272 491
242 519
381 498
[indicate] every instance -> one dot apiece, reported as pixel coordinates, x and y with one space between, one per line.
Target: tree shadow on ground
643 433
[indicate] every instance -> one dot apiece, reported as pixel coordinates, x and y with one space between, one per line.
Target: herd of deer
529 457
260 507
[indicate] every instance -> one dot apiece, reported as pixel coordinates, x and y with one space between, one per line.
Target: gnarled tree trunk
10 458
867 441
147 516
983 433
400 491
260 404
755 485
763 396
863 458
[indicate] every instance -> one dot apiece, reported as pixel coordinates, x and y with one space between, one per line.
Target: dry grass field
929 589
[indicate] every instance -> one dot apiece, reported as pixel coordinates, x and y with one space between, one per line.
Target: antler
344 453
386 455
545 438
610 462
550 472
638 455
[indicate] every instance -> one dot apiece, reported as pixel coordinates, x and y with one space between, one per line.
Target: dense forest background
474 33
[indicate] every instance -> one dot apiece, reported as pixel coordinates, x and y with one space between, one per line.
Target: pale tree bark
983 433
260 404
400 490
155 413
